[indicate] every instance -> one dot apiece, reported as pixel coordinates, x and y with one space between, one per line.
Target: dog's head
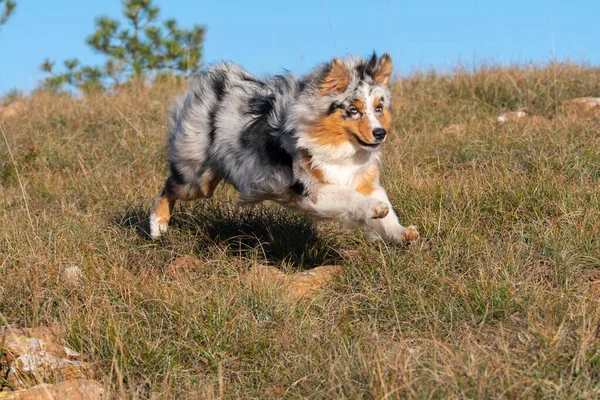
359 99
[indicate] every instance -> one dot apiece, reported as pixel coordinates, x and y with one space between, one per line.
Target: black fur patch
333 108
301 85
277 154
367 68
298 188
218 86
260 136
211 121
261 105
175 174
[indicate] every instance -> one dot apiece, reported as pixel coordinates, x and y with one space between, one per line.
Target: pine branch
9 8
143 48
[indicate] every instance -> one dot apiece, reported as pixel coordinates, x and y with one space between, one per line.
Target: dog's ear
337 78
383 70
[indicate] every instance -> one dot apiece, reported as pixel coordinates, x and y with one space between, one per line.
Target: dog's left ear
383 70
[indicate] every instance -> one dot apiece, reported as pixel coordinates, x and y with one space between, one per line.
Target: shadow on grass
136 218
272 235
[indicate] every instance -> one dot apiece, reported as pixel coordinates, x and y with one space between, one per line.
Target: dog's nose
379 133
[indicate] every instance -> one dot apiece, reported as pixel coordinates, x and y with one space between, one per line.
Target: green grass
499 298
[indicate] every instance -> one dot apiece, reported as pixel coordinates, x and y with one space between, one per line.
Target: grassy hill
499 298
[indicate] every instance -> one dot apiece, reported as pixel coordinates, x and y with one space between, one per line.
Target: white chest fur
347 173
343 175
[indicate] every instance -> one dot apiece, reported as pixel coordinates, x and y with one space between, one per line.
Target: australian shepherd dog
312 144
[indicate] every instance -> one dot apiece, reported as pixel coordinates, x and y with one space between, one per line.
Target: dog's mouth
367 145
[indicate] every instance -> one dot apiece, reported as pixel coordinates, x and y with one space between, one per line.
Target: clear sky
269 36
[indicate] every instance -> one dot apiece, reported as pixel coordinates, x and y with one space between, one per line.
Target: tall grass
498 299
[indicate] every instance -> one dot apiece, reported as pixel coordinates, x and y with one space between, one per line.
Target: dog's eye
379 108
353 110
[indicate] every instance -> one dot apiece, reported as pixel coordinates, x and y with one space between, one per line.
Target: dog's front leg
389 228
345 204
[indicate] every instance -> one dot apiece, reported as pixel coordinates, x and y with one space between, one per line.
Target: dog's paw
409 234
158 226
377 209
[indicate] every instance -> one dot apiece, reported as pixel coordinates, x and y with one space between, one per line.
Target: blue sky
269 36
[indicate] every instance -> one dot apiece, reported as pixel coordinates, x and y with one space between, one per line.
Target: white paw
409 234
157 226
377 209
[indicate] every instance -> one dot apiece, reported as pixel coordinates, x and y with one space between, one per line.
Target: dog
311 143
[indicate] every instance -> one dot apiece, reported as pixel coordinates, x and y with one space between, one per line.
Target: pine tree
85 78
141 49
7 7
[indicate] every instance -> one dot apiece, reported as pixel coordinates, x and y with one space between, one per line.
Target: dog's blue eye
353 110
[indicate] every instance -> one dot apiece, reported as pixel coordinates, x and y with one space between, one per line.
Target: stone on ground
33 356
74 389
298 285
511 116
522 116
582 106
72 276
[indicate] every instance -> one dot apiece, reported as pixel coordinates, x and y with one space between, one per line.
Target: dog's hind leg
161 212
173 191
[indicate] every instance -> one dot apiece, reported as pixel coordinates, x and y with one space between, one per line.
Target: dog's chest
343 175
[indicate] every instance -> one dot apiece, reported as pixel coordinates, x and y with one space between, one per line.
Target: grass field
499 298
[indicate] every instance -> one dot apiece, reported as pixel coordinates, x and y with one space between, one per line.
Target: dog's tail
173 114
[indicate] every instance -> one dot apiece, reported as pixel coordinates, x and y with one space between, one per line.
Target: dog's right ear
337 78
383 70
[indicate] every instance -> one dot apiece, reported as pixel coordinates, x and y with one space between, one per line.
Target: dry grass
498 299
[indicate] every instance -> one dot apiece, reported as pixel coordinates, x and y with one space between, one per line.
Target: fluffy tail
173 114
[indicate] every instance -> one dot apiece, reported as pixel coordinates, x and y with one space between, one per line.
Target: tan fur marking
364 131
334 131
366 185
330 131
337 79
383 71
314 171
359 105
385 118
209 183
163 209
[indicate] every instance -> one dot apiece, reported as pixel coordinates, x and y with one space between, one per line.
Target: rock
72 276
521 116
265 275
11 110
74 389
33 356
511 116
305 282
297 285
582 106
